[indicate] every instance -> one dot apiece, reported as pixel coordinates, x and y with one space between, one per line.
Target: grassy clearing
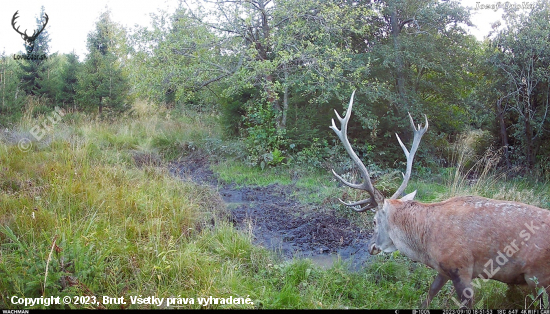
84 213
116 229
316 186
480 178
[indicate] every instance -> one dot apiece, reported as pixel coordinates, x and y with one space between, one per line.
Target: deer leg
438 283
464 291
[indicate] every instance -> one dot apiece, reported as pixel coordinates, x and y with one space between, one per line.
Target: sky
70 21
483 15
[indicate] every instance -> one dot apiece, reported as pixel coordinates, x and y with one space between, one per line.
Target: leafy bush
313 156
264 140
233 109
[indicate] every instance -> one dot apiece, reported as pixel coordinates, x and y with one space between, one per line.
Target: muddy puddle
279 222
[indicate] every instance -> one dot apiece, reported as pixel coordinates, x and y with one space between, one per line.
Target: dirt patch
278 221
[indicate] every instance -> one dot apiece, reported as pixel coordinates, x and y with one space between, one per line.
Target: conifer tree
11 95
104 83
34 71
69 81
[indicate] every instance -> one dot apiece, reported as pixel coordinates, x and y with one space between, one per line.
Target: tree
12 96
69 81
35 70
178 59
104 82
423 63
521 56
281 66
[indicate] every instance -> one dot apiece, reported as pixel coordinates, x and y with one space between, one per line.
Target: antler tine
423 130
43 26
366 184
418 133
15 17
361 202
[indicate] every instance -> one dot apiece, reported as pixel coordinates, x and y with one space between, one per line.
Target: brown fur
468 237
463 237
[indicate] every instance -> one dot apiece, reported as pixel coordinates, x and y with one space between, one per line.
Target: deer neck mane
410 230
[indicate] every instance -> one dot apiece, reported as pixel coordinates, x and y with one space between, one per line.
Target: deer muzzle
373 249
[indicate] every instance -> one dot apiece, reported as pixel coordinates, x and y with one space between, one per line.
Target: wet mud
279 222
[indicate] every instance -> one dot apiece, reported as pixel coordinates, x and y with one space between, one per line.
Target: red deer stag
463 237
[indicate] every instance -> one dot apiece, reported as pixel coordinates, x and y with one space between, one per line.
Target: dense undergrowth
91 210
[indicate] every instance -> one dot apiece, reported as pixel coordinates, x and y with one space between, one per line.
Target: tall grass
80 215
479 174
116 229
119 229
472 173
81 218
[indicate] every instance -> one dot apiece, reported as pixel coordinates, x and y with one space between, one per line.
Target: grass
316 186
81 215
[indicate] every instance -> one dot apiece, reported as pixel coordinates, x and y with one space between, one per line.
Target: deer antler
366 185
418 132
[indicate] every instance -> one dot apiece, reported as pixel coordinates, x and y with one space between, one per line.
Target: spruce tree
104 83
69 81
34 72
11 96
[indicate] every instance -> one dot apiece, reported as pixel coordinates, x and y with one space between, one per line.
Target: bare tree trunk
529 135
4 88
285 98
272 99
503 133
263 53
526 99
400 76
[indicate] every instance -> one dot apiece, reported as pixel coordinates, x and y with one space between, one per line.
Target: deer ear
409 197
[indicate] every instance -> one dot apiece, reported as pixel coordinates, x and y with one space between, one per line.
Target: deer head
29 40
459 237
381 240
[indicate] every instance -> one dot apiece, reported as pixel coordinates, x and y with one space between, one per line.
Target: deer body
463 238
469 237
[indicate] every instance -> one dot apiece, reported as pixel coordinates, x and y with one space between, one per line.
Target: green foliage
540 298
69 81
520 58
178 58
50 81
11 97
263 139
233 110
103 82
313 156
35 72
275 72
